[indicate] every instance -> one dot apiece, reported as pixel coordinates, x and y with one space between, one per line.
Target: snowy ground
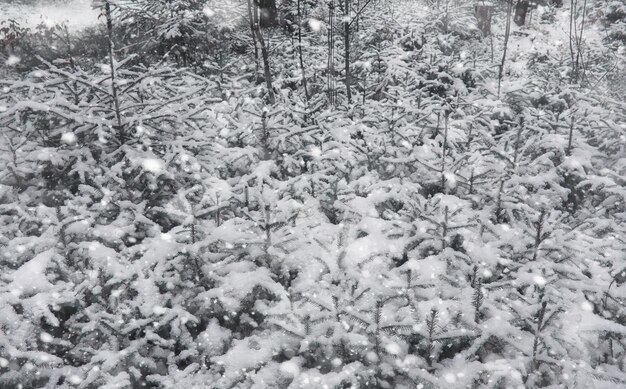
77 13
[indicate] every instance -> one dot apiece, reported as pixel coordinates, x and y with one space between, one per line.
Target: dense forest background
315 194
75 14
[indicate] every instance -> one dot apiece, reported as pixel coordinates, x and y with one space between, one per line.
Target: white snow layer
31 277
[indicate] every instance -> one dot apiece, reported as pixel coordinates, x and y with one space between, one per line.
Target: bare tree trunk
538 234
507 33
268 13
521 9
575 39
70 56
517 140
346 27
572 39
568 151
331 53
304 84
443 152
579 41
116 102
483 15
256 47
264 55
540 324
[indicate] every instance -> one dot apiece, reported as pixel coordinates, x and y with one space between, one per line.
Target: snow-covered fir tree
294 194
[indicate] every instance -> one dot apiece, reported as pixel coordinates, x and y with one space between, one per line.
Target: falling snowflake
152 165
449 378
450 180
316 25
74 379
12 60
290 368
539 280
316 152
46 337
393 348
586 306
208 12
158 310
69 138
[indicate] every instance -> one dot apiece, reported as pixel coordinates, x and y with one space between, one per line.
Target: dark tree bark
114 93
483 15
521 9
268 13
302 69
346 27
264 54
506 43
252 17
331 53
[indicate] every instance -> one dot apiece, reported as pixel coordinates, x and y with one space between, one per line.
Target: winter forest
326 194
